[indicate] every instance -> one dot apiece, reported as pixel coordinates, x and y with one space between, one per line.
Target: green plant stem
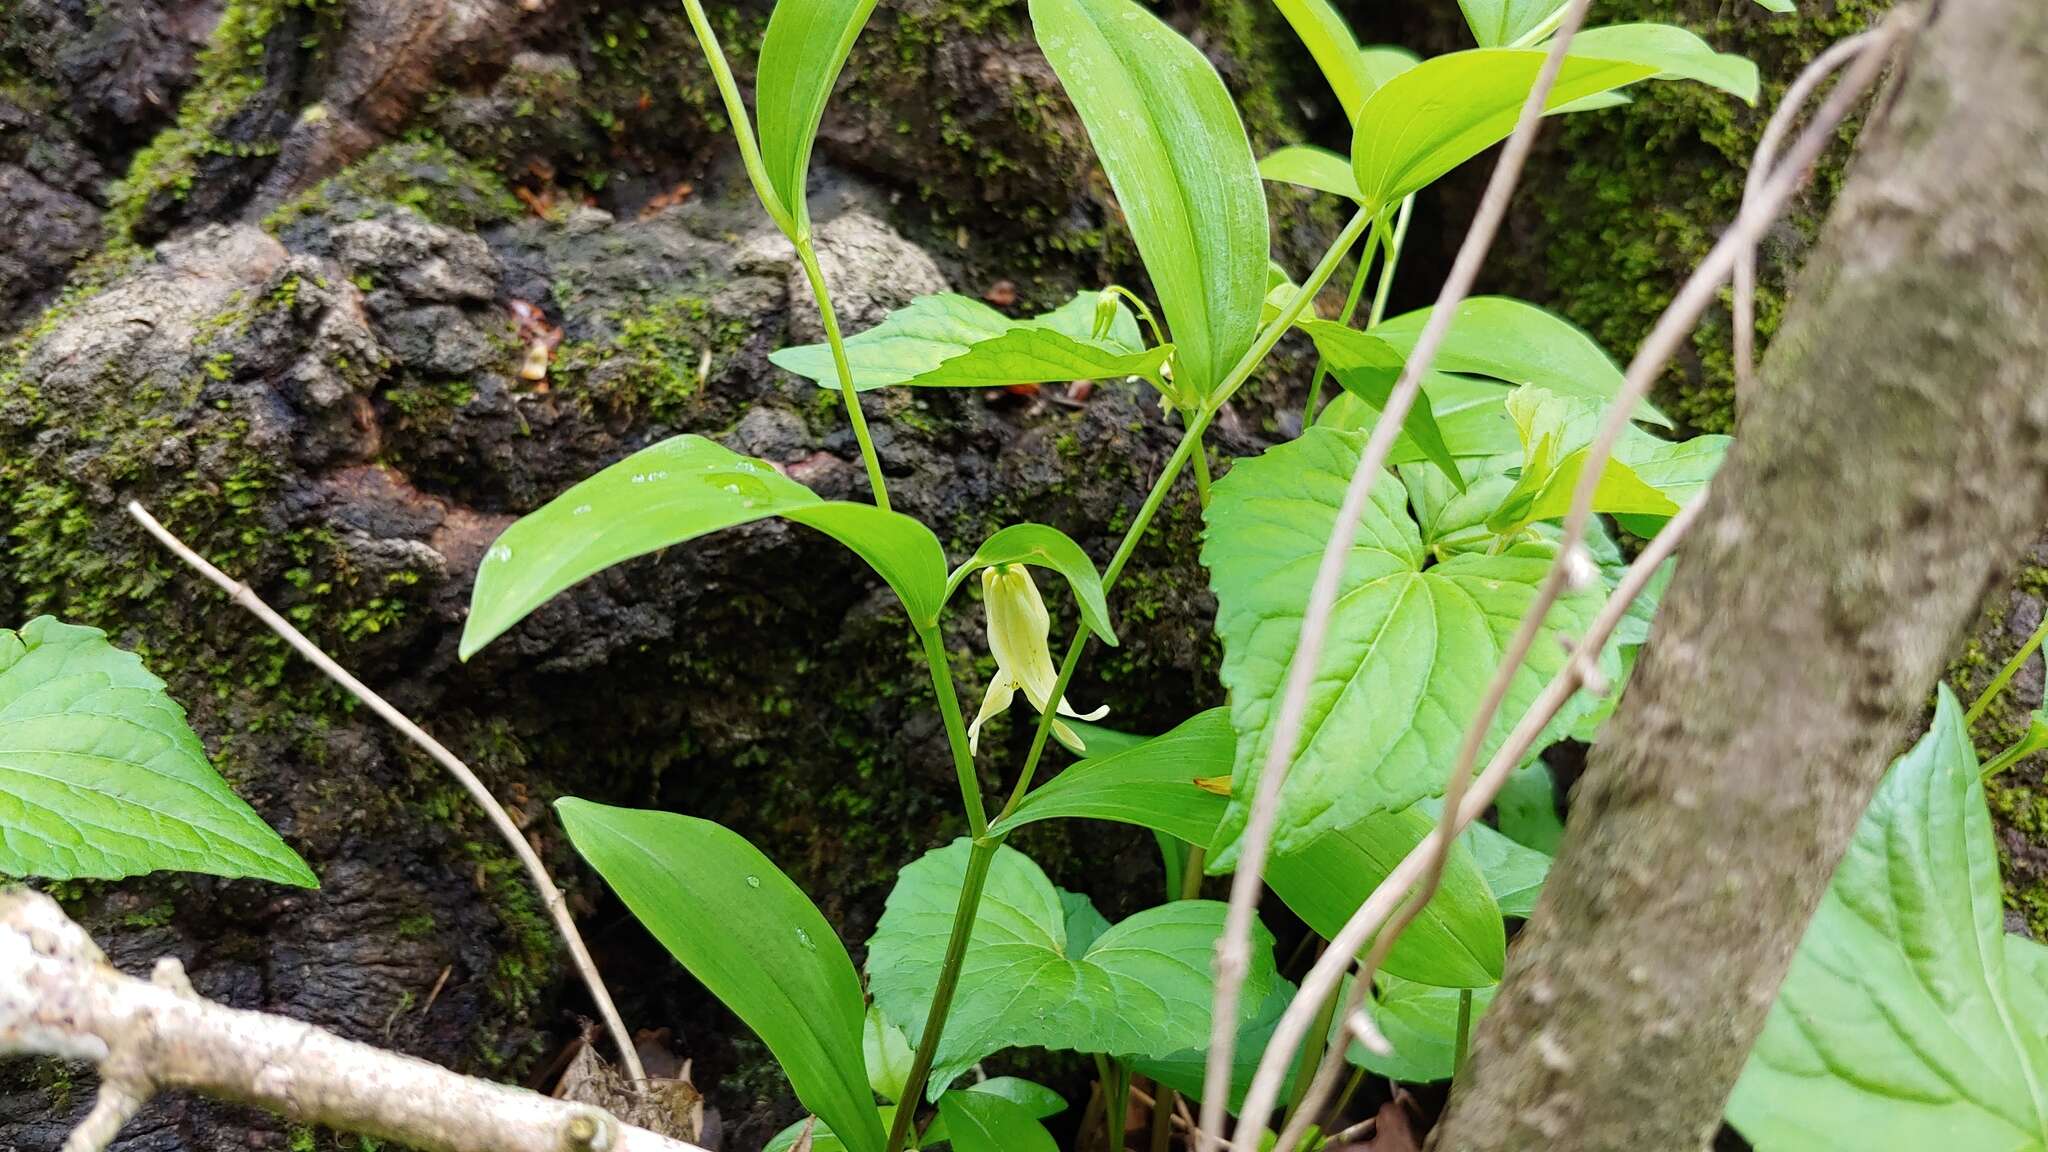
968 907
1351 1087
742 123
1464 1031
1116 1095
2019 659
808 254
1351 299
978 859
1393 242
956 729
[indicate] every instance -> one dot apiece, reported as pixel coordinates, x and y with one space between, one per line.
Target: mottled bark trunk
1892 468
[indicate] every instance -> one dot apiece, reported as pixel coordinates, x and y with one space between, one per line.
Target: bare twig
1761 169
579 956
1233 948
1671 329
59 997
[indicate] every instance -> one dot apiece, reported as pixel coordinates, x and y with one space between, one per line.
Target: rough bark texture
1893 463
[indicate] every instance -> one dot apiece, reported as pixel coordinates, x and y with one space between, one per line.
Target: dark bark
1893 467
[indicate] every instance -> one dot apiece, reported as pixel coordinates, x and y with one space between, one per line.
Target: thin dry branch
551 896
59 997
1461 807
1233 948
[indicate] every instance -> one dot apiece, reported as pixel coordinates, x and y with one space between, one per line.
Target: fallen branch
59 997
551 896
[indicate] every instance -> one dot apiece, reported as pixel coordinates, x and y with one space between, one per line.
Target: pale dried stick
59 997
1656 350
1233 948
1796 95
579 956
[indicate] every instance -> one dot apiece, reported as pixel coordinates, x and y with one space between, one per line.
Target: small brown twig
1233 947
551 896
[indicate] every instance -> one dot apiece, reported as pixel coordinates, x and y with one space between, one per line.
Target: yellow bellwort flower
1018 628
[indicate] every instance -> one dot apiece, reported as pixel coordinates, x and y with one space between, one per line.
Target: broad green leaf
1547 492
1101 741
752 938
1368 368
1446 110
801 54
1471 415
981 1122
1643 483
1676 54
1051 549
1421 1023
1311 167
101 777
887 1054
1181 166
1186 1070
1335 50
1151 784
1500 23
1520 343
1382 62
1410 648
1032 977
1036 1100
1780 6
1457 942
1909 1019
1515 873
949 341
822 1139
675 491
1527 808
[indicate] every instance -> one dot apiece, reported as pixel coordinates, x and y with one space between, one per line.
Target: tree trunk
1893 466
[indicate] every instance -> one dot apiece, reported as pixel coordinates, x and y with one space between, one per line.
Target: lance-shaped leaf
1329 40
1368 368
801 54
752 938
1675 53
1043 970
1499 23
1518 342
1456 941
1643 483
1043 546
950 341
1410 647
1909 1019
672 492
1311 167
1176 153
101 777
1446 110
1471 415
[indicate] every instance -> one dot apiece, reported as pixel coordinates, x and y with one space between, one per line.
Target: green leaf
1780 6
1643 483
887 1055
1382 62
1421 1023
1185 1071
672 492
1515 873
1101 741
822 1139
1151 784
1675 53
1520 343
801 54
1457 942
1527 808
1049 548
1032 975
1471 415
1311 167
1177 157
1335 50
1037 1101
1905 1021
752 938
1499 23
949 341
1446 110
982 1122
101 777
1368 367
1410 648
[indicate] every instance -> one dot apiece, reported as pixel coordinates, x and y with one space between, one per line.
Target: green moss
1662 176
648 363
441 184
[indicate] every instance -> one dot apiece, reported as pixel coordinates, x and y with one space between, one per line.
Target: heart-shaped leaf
100 775
949 341
1042 970
752 938
1178 159
1410 648
672 492
1909 1019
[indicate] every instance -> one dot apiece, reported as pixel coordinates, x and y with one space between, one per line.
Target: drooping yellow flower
1018 629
